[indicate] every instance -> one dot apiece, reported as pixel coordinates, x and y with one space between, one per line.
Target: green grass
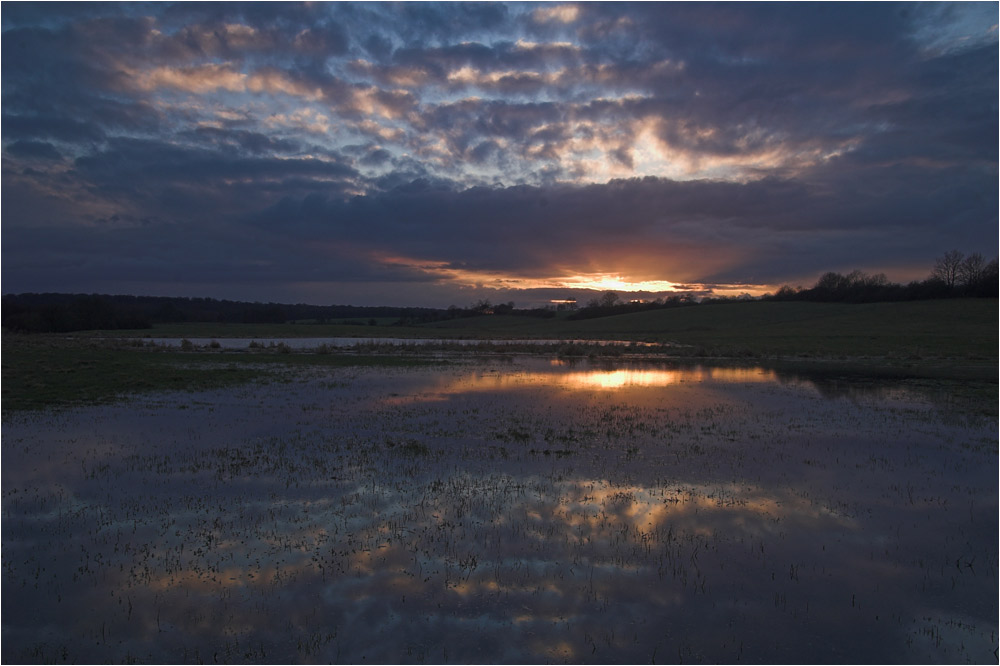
42 371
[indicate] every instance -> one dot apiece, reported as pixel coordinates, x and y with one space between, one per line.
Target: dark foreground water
528 511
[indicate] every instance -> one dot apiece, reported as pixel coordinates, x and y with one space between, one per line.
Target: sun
603 282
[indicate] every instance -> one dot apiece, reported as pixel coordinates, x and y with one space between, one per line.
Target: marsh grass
41 372
432 514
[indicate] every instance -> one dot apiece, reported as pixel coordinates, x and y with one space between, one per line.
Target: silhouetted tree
977 276
971 271
990 283
947 267
786 293
829 287
608 299
855 287
504 308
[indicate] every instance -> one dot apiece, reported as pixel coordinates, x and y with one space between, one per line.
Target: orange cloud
203 79
558 14
309 120
198 79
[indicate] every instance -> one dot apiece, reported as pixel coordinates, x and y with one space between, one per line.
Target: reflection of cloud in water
701 507
490 526
496 554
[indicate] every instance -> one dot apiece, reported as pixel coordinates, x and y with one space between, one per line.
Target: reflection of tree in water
971 402
955 401
854 388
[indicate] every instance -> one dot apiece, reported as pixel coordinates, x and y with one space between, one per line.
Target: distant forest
56 313
954 275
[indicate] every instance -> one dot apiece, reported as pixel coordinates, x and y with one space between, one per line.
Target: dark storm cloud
152 163
527 229
34 149
142 256
423 142
43 126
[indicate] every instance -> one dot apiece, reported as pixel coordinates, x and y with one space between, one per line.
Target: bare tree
972 270
947 267
609 299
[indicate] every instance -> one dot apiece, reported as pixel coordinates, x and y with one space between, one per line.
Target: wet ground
520 510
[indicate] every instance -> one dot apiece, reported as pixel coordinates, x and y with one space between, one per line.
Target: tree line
954 275
609 304
59 313
477 309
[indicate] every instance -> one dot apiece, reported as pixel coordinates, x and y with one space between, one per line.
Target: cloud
493 144
242 141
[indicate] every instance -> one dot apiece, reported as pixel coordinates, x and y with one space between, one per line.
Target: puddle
524 511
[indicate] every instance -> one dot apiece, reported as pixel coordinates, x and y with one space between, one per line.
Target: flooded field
511 511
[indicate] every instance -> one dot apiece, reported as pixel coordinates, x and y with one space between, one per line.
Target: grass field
964 328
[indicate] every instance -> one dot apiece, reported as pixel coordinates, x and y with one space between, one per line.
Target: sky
423 154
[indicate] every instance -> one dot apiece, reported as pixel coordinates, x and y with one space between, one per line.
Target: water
516 511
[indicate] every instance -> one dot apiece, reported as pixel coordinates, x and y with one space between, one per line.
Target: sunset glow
558 377
597 282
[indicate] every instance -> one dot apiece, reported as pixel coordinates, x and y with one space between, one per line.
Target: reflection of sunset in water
564 376
650 377
612 379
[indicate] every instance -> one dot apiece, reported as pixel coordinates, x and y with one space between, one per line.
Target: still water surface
520 511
